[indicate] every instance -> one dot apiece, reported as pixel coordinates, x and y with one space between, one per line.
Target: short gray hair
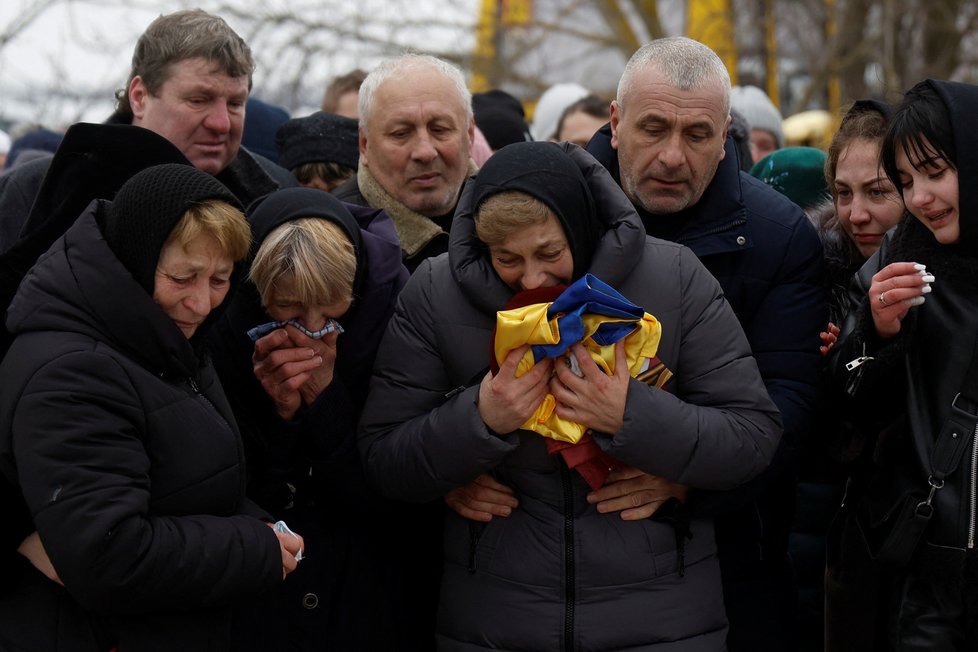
686 63
402 64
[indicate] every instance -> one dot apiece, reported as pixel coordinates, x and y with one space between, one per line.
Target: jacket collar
413 229
714 224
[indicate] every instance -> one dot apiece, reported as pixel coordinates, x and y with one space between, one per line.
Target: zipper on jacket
852 364
974 490
196 389
855 366
476 529
569 567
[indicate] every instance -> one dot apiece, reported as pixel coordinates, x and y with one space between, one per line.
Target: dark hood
377 250
92 162
961 101
911 239
269 212
618 240
380 274
544 171
79 286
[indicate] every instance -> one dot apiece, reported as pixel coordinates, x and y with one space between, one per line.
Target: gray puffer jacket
556 574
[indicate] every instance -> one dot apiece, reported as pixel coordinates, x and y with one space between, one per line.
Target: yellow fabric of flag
529 325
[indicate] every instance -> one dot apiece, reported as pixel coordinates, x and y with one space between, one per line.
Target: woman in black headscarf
556 573
116 431
910 351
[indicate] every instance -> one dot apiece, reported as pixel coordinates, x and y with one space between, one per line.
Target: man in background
415 137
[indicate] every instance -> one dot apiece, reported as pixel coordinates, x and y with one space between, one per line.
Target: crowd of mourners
412 373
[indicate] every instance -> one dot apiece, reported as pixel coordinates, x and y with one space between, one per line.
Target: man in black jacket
189 82
667 146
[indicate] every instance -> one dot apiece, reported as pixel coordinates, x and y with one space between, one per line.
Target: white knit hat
551 106
754 104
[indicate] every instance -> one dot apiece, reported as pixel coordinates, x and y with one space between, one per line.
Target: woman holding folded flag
507 362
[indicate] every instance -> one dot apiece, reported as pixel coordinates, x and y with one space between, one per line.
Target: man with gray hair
667 146
415 134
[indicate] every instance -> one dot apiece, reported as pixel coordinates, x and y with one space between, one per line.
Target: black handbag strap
961 424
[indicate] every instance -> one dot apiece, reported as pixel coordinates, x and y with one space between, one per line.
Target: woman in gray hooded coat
556 573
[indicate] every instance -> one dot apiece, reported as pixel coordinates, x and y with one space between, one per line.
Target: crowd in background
419 371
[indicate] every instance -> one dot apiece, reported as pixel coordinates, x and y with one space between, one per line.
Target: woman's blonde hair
502 214
314 254
216 218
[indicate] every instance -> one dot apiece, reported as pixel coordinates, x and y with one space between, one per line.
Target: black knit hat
144 212
500 117
318 138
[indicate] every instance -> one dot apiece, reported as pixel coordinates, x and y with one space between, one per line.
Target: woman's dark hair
922 128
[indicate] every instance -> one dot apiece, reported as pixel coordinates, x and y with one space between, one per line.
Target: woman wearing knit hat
546 568
765 120
320 150
118 434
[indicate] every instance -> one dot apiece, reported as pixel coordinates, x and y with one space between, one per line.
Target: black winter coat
768 259
130 463
913 378
352 592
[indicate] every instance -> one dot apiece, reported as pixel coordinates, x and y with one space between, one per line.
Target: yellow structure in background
711 22
494 17
516 13
485 46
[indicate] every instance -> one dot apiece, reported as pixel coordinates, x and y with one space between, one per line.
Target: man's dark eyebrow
705 125
652 118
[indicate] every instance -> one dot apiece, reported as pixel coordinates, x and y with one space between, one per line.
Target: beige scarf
413 229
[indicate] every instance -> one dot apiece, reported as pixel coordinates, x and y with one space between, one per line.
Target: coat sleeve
720 428
784 340
85 475
420 437
783 333
877 374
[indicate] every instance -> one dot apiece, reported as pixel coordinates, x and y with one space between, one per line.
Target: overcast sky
67 64
79 51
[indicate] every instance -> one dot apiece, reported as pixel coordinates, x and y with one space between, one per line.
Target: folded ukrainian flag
588 311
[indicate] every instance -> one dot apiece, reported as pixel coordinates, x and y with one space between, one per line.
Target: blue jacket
768 259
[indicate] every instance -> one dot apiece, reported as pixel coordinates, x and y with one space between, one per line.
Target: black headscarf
144 212
271 211
961 101
544 171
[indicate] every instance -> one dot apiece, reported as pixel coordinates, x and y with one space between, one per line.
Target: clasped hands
593 399
293 368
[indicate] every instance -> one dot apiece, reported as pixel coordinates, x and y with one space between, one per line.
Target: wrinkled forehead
204 71
418 88
708 95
